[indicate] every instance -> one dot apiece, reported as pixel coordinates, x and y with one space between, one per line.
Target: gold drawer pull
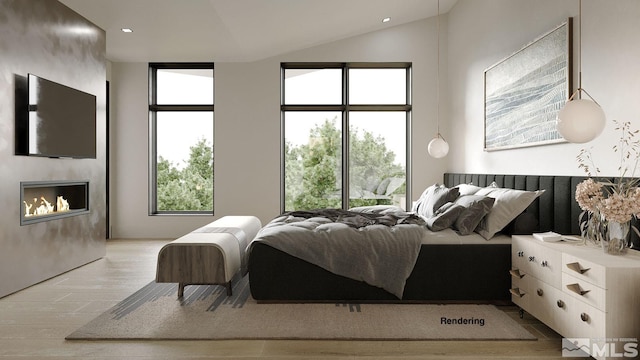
540 292
560 303
516 273
577 289
577 268
516 292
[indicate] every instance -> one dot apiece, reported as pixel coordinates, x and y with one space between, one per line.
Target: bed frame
443 273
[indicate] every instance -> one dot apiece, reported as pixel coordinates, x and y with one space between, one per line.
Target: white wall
482 33
476 35
247 128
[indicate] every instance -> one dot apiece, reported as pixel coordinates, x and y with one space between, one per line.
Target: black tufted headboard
556 209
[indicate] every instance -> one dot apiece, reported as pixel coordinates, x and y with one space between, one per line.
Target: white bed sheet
449 236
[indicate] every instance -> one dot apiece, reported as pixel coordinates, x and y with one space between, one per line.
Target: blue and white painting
524 92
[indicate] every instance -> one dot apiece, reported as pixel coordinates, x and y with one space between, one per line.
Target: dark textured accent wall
46 38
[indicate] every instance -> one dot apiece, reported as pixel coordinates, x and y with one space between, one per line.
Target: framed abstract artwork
524 92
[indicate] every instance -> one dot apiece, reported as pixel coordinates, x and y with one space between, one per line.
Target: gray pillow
433 198
444 217
476 207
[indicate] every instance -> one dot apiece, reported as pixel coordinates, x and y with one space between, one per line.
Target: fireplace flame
45 207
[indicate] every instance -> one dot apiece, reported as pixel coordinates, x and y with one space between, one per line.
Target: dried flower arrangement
603 200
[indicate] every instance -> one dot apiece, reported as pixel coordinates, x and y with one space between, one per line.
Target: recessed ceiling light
387 19
126 30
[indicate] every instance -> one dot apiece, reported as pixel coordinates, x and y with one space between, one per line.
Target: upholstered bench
212 254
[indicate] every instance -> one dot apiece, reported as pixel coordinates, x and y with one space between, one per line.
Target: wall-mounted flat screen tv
61 121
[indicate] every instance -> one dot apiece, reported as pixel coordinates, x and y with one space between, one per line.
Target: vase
592 228
615 239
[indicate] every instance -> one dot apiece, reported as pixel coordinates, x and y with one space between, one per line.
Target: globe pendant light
438 146
580 120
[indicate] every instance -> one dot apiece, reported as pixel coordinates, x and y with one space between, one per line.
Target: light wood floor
34 322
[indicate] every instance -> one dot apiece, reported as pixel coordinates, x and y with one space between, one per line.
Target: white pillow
468 189
508 205
487 189
433 198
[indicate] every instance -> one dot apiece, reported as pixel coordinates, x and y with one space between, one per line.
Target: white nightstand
579 291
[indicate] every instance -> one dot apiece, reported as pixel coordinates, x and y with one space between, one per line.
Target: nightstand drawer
584 291
584 321
538 261
584 270
543 304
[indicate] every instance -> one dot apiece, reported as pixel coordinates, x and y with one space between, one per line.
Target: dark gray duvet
378 248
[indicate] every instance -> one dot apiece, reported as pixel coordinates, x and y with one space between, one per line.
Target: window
181 133
345 134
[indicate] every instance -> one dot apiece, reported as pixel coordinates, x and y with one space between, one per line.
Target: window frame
154 108
345 108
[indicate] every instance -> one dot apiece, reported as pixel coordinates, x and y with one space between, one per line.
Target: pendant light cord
438 146
438 74
579 90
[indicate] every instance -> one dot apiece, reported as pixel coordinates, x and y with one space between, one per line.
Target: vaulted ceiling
239 30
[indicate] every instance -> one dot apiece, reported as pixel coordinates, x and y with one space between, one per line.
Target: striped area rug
206 313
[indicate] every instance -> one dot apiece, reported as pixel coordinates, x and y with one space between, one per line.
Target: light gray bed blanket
379 249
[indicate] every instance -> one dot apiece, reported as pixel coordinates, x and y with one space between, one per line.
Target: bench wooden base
181 287
211 255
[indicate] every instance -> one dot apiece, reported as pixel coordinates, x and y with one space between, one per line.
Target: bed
448 267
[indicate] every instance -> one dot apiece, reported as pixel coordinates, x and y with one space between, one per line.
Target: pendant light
580 120
438 146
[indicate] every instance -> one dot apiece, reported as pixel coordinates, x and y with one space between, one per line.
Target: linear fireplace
49 200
